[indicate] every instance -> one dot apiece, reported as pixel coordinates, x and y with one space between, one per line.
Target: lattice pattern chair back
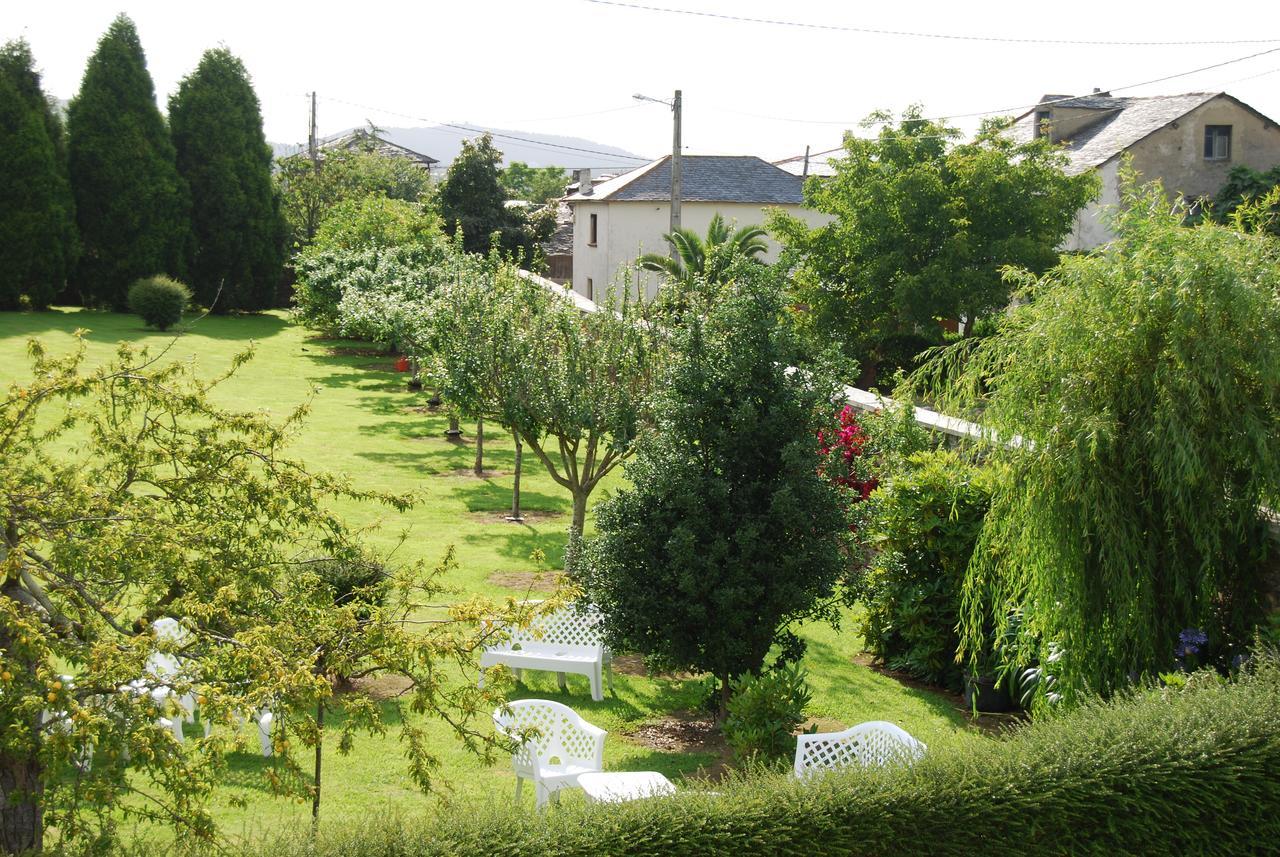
874 743
554 733
569 626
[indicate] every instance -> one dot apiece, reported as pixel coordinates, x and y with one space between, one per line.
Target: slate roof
704 178
363 140
819 165
1121 123
561 241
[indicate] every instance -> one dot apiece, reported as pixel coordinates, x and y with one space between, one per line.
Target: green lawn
366 424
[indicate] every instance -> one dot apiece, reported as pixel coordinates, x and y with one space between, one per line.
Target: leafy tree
923 230
539 185
1137 392
131 205
1243 185
572 386
128 494
375 220
307 193
710 258
224 158
38 241
473 200
728 533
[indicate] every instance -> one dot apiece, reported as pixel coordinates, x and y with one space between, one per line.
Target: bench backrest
874 743
568 627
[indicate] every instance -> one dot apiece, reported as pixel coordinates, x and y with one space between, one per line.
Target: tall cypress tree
38 242
224 158
131 204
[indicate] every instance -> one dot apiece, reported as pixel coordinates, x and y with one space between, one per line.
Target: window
591 288
1217 142
591 239
1042 123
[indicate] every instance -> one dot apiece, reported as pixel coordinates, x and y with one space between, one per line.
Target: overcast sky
571 66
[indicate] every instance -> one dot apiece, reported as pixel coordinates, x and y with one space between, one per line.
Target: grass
364 422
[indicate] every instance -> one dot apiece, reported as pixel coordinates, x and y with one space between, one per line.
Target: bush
1188 771
362 584
325 277
764 712
160 301
925 524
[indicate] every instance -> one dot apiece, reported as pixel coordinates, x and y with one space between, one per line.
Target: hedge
1168 771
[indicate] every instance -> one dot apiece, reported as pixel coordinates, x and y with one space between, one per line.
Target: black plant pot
990 698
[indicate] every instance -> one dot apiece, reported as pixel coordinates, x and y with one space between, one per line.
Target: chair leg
561 682
519 675
596 693
540 795
519 787
265 719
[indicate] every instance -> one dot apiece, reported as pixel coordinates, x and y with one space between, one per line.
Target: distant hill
444 144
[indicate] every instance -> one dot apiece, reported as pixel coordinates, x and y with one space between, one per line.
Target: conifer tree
38 243
224 158
131 204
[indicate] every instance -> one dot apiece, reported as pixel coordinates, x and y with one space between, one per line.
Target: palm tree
707 257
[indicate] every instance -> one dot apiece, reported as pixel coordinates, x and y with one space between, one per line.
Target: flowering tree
127 495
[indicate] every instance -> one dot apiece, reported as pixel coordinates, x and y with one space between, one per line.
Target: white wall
626 230
1090 228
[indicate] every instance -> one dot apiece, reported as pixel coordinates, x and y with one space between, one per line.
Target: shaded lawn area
365 423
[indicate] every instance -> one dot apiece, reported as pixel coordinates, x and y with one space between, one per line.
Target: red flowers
402 365
843 463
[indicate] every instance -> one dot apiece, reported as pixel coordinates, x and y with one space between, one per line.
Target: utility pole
805 174
675 167
312 148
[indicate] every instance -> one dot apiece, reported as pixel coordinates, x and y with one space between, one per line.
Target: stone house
618 220
1190 142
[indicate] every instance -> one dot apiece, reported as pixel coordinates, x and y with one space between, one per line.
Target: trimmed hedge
1187 771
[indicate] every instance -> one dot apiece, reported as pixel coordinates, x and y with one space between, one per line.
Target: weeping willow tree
1133 399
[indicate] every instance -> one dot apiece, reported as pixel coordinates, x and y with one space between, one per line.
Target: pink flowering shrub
845 461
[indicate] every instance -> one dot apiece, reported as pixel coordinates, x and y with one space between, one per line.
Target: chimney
1097 90
584 181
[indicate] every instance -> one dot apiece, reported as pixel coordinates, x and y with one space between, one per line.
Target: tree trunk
453 430
315 798
722 707
515 487
21 790
480 447
579 511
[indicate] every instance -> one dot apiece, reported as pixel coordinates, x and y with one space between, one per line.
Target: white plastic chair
555 746
876 742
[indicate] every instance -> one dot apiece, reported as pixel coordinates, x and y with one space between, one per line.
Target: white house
616 221
1190 142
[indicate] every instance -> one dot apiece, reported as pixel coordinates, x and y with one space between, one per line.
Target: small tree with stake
572 386
728 533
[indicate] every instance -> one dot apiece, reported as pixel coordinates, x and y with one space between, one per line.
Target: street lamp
674 104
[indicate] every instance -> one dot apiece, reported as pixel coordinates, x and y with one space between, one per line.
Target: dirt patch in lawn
470 473
356 351
382 687
634 665
528 581
421 409
529 516
686 732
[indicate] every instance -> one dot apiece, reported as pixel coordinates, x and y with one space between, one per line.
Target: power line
473 130
1023 108
871 31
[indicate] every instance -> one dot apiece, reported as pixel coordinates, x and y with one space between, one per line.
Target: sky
571 66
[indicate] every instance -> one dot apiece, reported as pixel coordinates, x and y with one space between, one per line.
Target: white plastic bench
567 641
554 746
876 742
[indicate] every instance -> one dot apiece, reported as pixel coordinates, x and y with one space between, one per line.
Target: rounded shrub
159 300
764 712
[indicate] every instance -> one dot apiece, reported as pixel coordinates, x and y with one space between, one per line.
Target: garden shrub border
1169 771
